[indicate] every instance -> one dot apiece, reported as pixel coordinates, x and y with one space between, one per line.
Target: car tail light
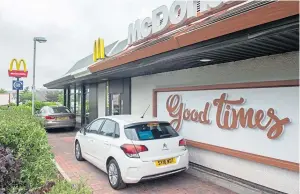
133 151
49 117
182 142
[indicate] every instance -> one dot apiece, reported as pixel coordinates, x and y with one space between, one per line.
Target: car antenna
145 112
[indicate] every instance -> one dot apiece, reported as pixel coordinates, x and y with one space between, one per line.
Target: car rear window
150 131
59 110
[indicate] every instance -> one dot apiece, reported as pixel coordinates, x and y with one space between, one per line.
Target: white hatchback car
132 149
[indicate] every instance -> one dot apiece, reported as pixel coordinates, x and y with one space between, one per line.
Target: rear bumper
135 170
56 124
155 176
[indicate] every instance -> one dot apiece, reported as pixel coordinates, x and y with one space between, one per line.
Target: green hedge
38 104
25 135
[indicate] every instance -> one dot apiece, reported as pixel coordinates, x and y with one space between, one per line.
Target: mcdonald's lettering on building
15 68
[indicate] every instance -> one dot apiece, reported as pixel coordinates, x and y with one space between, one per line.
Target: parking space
63 149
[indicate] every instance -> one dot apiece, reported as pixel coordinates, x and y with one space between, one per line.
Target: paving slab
62 143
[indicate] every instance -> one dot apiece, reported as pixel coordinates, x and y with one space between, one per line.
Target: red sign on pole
17 72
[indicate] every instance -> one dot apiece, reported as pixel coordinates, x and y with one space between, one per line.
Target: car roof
129 119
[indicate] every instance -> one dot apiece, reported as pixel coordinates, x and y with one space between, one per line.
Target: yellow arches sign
98 49
17 72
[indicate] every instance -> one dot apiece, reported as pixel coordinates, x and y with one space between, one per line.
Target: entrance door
118 97
116 104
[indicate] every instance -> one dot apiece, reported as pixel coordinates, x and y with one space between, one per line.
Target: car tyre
114 175
78 154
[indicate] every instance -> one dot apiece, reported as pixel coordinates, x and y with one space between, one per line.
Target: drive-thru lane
63 148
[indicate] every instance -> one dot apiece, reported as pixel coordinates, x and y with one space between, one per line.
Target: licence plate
62 118
165 162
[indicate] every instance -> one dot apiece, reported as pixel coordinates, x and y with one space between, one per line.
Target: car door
88 139
104 141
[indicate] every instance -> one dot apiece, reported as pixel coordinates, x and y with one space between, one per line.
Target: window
108 128
87 107
59 109
78 101
95 126
117 132
149 131
72 100
43 110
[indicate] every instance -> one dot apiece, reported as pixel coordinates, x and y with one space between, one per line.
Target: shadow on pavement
61 130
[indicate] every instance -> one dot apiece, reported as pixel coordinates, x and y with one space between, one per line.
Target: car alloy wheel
78 152
114 175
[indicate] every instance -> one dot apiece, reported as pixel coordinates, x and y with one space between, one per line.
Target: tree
2 91
25 96
26 89
52 96
61 98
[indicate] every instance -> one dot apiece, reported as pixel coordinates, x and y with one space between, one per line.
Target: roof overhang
276 37
273 29
60 83
196 33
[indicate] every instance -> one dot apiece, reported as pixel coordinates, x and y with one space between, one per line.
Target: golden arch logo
17 72
98 49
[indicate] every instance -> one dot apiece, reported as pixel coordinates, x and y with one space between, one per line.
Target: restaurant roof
234 30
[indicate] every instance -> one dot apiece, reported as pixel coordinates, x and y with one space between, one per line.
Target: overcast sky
70 26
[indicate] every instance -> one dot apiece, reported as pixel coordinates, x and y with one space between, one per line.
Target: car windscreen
150 131
59 110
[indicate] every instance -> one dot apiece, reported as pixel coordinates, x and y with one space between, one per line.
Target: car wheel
114 175
78 154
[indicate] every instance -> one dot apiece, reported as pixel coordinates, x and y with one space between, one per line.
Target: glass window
60 109
72 100
108 128
117 132
43 110
149 131
87 107
78 101
116 104
95 126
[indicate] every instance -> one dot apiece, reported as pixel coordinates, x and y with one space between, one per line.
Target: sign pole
18 93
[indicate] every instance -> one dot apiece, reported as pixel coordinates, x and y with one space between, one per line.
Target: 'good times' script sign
227 115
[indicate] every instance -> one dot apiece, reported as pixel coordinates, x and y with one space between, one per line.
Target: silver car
57 117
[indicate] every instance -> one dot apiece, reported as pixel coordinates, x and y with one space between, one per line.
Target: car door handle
106 143
91 140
